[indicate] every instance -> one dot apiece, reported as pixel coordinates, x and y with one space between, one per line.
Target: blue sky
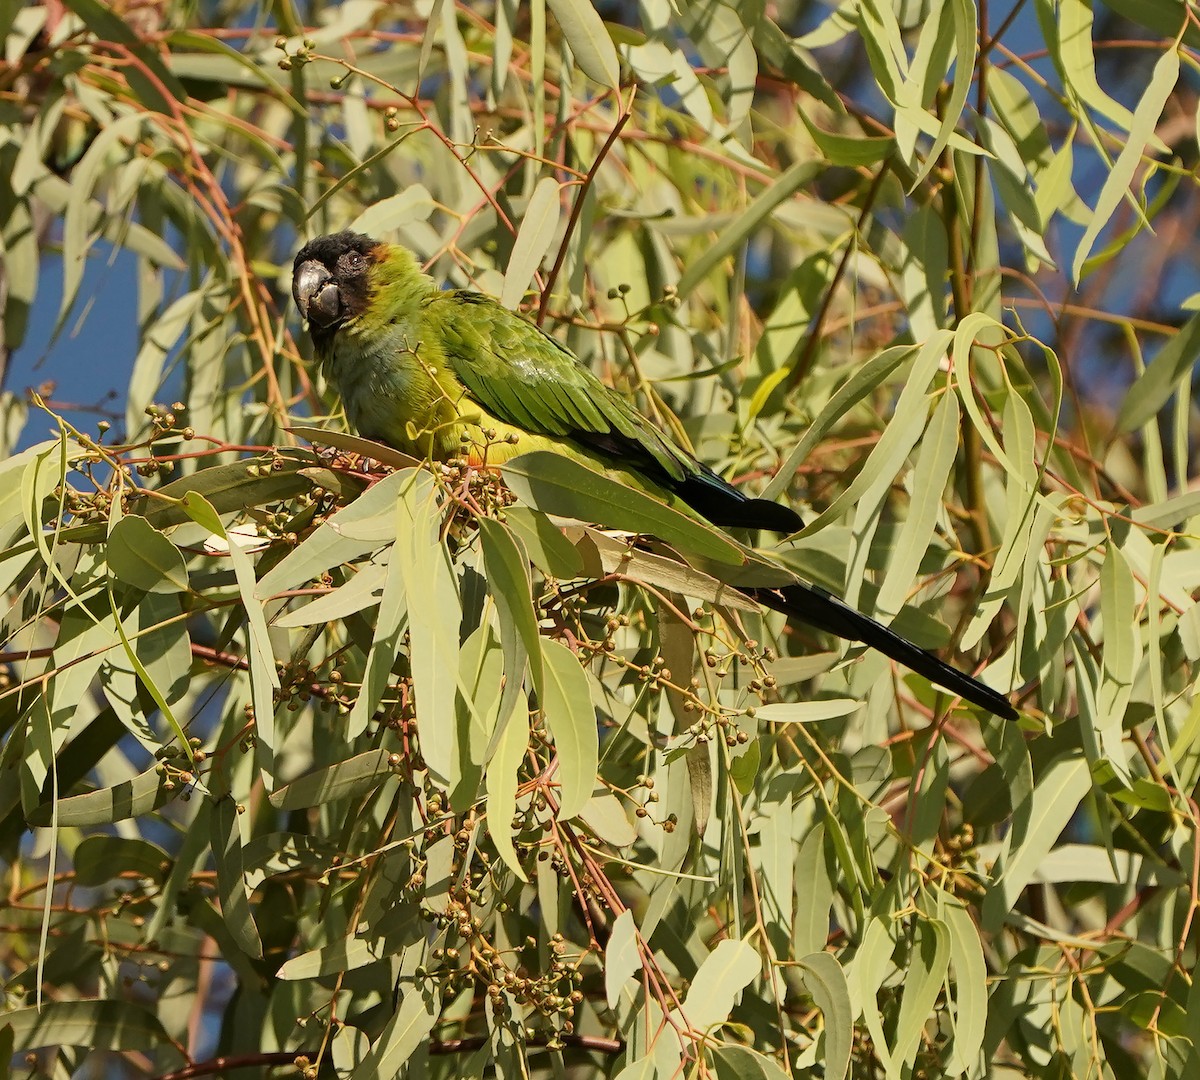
93 356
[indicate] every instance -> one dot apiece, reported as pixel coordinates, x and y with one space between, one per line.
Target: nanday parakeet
428 371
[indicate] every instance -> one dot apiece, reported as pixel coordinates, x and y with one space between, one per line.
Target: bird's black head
331 280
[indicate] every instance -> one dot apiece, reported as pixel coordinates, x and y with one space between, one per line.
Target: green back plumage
524 377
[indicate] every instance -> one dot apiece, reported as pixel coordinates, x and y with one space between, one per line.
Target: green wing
523 377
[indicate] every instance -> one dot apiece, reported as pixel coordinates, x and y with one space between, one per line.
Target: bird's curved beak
316 294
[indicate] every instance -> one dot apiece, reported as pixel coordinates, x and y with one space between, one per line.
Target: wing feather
524 377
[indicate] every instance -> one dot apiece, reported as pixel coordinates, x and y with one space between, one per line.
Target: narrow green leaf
366 524
128 799
150 88
589 39
884 46
655 63
725 973
677 647
1055 798
159 340
226 488
139 555
644 1068
826 982
670 575
899 437
605 815
343 780
1161 16
1092 862
745 767
14 472
501 783
806 712
84 649
566 701
927 797
1092 728
94 1025
1015 781
510 584
481 681
433 606
356 444
534 238
558 485
722 40
970 995
733 1062
939 449
674 789
1121 657
84 213
362 591
1145 794
1071 40
161 645
850 150
1169 371
868 970
1023 527
228 68
407 1030
927 967
231 879
264 679
700 787
414 203
351 953
748 221
1141 132
145 678
1169 513
99 859
774 861
202 914
962 64
201 511
622 960
390 623
790 54
862 381
549 550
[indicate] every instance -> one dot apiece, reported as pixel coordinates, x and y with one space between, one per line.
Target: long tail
813 605
724 505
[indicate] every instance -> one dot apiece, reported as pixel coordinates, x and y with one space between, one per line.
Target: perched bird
429 371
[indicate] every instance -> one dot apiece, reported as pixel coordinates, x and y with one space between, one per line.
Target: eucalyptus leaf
586 34
566 701
96 1025
342 780
139 555
558 485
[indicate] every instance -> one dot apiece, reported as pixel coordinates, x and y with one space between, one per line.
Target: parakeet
446 374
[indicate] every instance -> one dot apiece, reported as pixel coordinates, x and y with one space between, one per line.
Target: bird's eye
353 261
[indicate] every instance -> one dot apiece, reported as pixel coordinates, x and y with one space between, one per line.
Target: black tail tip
985 698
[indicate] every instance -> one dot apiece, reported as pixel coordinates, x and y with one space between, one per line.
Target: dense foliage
320 758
